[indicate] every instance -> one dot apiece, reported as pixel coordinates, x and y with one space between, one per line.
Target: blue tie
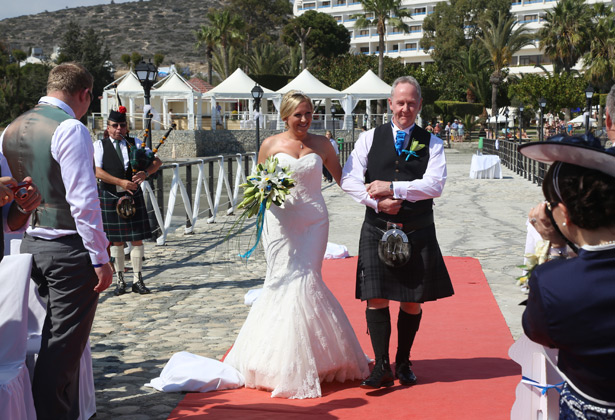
399 141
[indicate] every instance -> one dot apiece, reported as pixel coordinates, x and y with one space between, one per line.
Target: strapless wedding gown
297 334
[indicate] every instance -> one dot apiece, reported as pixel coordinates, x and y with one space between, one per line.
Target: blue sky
18 8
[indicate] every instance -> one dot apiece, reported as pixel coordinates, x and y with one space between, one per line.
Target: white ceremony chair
15 387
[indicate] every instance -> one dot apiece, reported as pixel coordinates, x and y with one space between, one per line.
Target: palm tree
600 58
502 39
474 65
382 12
267 59
227 30
231 58
205 37
565 34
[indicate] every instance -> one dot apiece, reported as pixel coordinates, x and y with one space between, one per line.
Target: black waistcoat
113 165
384 164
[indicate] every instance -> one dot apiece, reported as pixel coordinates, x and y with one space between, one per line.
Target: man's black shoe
139 287
120 288
382 375
405 374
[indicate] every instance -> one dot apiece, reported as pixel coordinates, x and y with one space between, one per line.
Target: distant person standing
460 131
66 236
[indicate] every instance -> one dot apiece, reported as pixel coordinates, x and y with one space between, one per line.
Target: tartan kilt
122 230
424 278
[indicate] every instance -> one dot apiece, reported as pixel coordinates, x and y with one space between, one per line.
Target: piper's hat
118 116
585 151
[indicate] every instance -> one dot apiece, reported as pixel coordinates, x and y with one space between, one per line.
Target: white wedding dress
297 334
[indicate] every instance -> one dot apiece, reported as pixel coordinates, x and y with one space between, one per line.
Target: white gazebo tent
311 86
127 88
237 86
175 88
369 87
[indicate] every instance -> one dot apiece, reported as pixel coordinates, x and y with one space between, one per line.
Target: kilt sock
407 327
117 252
379 327
136 258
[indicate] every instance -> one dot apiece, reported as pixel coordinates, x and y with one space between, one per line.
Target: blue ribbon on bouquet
409 153
260 219
544 388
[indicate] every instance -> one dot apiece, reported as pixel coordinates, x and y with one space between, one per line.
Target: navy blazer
571 306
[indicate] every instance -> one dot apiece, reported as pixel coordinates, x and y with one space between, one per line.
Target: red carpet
460 357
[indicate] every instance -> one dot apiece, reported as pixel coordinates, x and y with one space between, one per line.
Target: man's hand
6 193
139 177
32 199
129 185
379 189
389 206
105 277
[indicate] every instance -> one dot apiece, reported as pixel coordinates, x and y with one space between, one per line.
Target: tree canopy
86 47
326 37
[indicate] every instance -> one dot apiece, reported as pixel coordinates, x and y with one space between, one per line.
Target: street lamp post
521 108
257 94
589 93
542 103
333 112
147 74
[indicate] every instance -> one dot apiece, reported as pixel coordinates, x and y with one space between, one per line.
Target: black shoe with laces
404 373
139 286
382 375
120 288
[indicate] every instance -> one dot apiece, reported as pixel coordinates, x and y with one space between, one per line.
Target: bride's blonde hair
290 101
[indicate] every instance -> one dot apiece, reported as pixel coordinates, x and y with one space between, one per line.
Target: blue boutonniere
414 147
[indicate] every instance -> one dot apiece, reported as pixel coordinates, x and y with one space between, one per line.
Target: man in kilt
127 222
396 170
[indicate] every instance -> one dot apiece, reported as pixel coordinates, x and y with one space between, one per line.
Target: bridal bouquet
532 261
268 184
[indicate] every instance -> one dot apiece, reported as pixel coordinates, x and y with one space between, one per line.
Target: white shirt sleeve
432 183
98 153
72 148
353 174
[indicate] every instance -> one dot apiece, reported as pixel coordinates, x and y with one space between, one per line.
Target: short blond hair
69 78
291 101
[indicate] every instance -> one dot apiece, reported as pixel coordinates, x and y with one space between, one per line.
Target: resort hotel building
407 45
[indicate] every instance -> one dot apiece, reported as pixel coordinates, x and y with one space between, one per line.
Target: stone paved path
198 284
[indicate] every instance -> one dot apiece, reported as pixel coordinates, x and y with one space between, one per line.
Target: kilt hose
424 278
124 230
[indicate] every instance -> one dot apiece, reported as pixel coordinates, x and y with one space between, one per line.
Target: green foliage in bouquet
268 184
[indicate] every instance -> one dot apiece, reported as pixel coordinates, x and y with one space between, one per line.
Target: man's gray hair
407 79
610 104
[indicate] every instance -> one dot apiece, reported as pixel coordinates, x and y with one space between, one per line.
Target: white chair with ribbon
15 387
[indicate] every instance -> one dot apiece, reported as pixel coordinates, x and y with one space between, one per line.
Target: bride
297 335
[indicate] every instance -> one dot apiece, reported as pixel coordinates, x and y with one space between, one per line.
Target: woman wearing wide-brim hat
571 303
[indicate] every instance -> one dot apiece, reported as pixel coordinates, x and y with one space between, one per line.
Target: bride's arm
330 159
265 150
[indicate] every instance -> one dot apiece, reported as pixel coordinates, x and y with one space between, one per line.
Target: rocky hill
146 27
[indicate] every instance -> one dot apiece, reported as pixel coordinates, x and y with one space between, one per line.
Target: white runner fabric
193 373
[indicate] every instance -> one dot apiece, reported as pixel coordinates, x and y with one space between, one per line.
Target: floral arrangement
268 184
539 256
415 146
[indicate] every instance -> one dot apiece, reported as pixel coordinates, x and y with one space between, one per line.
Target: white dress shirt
72 148
430 186
99 151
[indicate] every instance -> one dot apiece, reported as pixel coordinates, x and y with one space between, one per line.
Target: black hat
585 151
118 116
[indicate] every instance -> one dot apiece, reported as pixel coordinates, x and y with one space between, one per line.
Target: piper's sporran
126 207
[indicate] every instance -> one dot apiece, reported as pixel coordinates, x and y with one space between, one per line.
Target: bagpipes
140 157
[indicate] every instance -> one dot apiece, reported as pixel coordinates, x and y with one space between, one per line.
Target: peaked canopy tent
369 87
311 86
237 86
175 88
124 90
